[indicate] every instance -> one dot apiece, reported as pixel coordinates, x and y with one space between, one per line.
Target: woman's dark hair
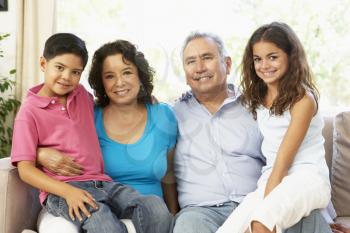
295 82
129 54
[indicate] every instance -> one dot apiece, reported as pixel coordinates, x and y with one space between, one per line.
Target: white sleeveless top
311 153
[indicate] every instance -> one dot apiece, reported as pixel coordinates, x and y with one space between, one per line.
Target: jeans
314 223
149 214
207 219
203 219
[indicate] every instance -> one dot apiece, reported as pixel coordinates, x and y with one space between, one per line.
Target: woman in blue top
137 137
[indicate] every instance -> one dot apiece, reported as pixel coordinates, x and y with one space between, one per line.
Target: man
218 158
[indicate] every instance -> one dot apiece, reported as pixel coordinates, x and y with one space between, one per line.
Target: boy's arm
169 185
75 197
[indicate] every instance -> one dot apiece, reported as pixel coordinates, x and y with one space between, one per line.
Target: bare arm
74 197
169 185
57 162
301 114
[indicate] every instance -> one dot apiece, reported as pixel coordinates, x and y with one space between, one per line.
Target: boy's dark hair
61 43
129 53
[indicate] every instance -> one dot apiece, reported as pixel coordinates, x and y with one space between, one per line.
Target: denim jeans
203 219
149 214
207 219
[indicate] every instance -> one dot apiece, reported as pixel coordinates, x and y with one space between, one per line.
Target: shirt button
53 101
63 108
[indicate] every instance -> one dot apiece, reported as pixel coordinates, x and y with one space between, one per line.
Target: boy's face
62 74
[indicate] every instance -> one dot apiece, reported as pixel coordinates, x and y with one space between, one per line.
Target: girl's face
270 62
120 80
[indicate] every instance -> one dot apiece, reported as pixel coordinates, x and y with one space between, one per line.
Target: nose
200 66
66 75
265 64
119 81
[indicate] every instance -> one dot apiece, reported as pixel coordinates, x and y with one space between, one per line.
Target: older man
218 158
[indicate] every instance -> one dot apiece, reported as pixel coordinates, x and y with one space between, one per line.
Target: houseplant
8 107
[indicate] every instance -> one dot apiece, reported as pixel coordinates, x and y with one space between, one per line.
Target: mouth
202 77
269 73
63 85
121 92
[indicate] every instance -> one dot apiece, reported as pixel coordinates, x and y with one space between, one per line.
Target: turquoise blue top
142 164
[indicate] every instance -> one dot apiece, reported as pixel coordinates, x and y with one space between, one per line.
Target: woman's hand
58 163
76 199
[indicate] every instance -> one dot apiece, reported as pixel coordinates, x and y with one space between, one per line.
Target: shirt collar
43 101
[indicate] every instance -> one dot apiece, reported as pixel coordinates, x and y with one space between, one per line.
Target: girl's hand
76 199
58 163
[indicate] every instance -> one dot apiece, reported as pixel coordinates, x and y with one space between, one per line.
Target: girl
278 90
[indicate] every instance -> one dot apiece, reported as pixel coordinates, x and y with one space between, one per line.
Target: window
159 27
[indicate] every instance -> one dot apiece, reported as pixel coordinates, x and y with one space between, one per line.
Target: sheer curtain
35 23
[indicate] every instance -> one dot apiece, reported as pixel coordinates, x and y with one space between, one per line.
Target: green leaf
13 71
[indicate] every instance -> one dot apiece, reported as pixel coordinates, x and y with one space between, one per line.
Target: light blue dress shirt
218 156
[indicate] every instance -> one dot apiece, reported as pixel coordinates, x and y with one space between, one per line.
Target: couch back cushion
341 164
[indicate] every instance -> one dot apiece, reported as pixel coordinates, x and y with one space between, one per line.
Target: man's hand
340 228
76 199
58 163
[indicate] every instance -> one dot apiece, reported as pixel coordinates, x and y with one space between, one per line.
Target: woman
137 137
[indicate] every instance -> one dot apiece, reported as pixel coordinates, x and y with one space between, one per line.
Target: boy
59 114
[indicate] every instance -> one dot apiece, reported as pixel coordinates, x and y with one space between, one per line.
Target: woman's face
120 80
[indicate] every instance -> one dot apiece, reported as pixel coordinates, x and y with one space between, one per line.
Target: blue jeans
149 214
203 219
207 219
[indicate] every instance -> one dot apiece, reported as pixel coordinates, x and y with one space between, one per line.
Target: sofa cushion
341 165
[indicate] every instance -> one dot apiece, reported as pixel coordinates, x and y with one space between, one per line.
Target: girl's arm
301 114
169 185
75 197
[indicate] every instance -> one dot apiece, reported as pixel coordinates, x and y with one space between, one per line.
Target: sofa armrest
19 202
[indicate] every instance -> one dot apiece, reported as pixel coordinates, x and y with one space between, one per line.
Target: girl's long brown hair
295 82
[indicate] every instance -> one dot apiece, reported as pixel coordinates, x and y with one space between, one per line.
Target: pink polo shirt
44 122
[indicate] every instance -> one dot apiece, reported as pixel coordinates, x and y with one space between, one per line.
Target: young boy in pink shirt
59 114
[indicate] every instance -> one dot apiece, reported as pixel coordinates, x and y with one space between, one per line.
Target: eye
109 76
76 73
207 57
127 72
273 57
256 59
59 67
190 62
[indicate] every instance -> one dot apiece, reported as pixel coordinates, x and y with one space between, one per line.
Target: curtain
35 23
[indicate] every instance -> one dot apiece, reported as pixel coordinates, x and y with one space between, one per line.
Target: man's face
206 71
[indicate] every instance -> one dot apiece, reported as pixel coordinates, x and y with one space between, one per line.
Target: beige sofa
19 204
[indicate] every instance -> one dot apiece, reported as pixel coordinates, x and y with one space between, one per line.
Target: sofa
19 205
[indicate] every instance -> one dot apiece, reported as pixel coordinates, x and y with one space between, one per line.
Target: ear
43 63
228 63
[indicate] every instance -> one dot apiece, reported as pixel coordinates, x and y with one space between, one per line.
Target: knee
187 222
154 206
48 223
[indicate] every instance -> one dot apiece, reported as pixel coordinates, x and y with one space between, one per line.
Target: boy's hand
58 163
76 199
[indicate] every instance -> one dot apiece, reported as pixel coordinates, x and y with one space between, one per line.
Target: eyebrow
201 56
61 64
269 54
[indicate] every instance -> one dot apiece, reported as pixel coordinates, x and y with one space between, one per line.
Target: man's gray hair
196 34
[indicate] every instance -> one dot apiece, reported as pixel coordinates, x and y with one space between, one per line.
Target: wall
8 25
